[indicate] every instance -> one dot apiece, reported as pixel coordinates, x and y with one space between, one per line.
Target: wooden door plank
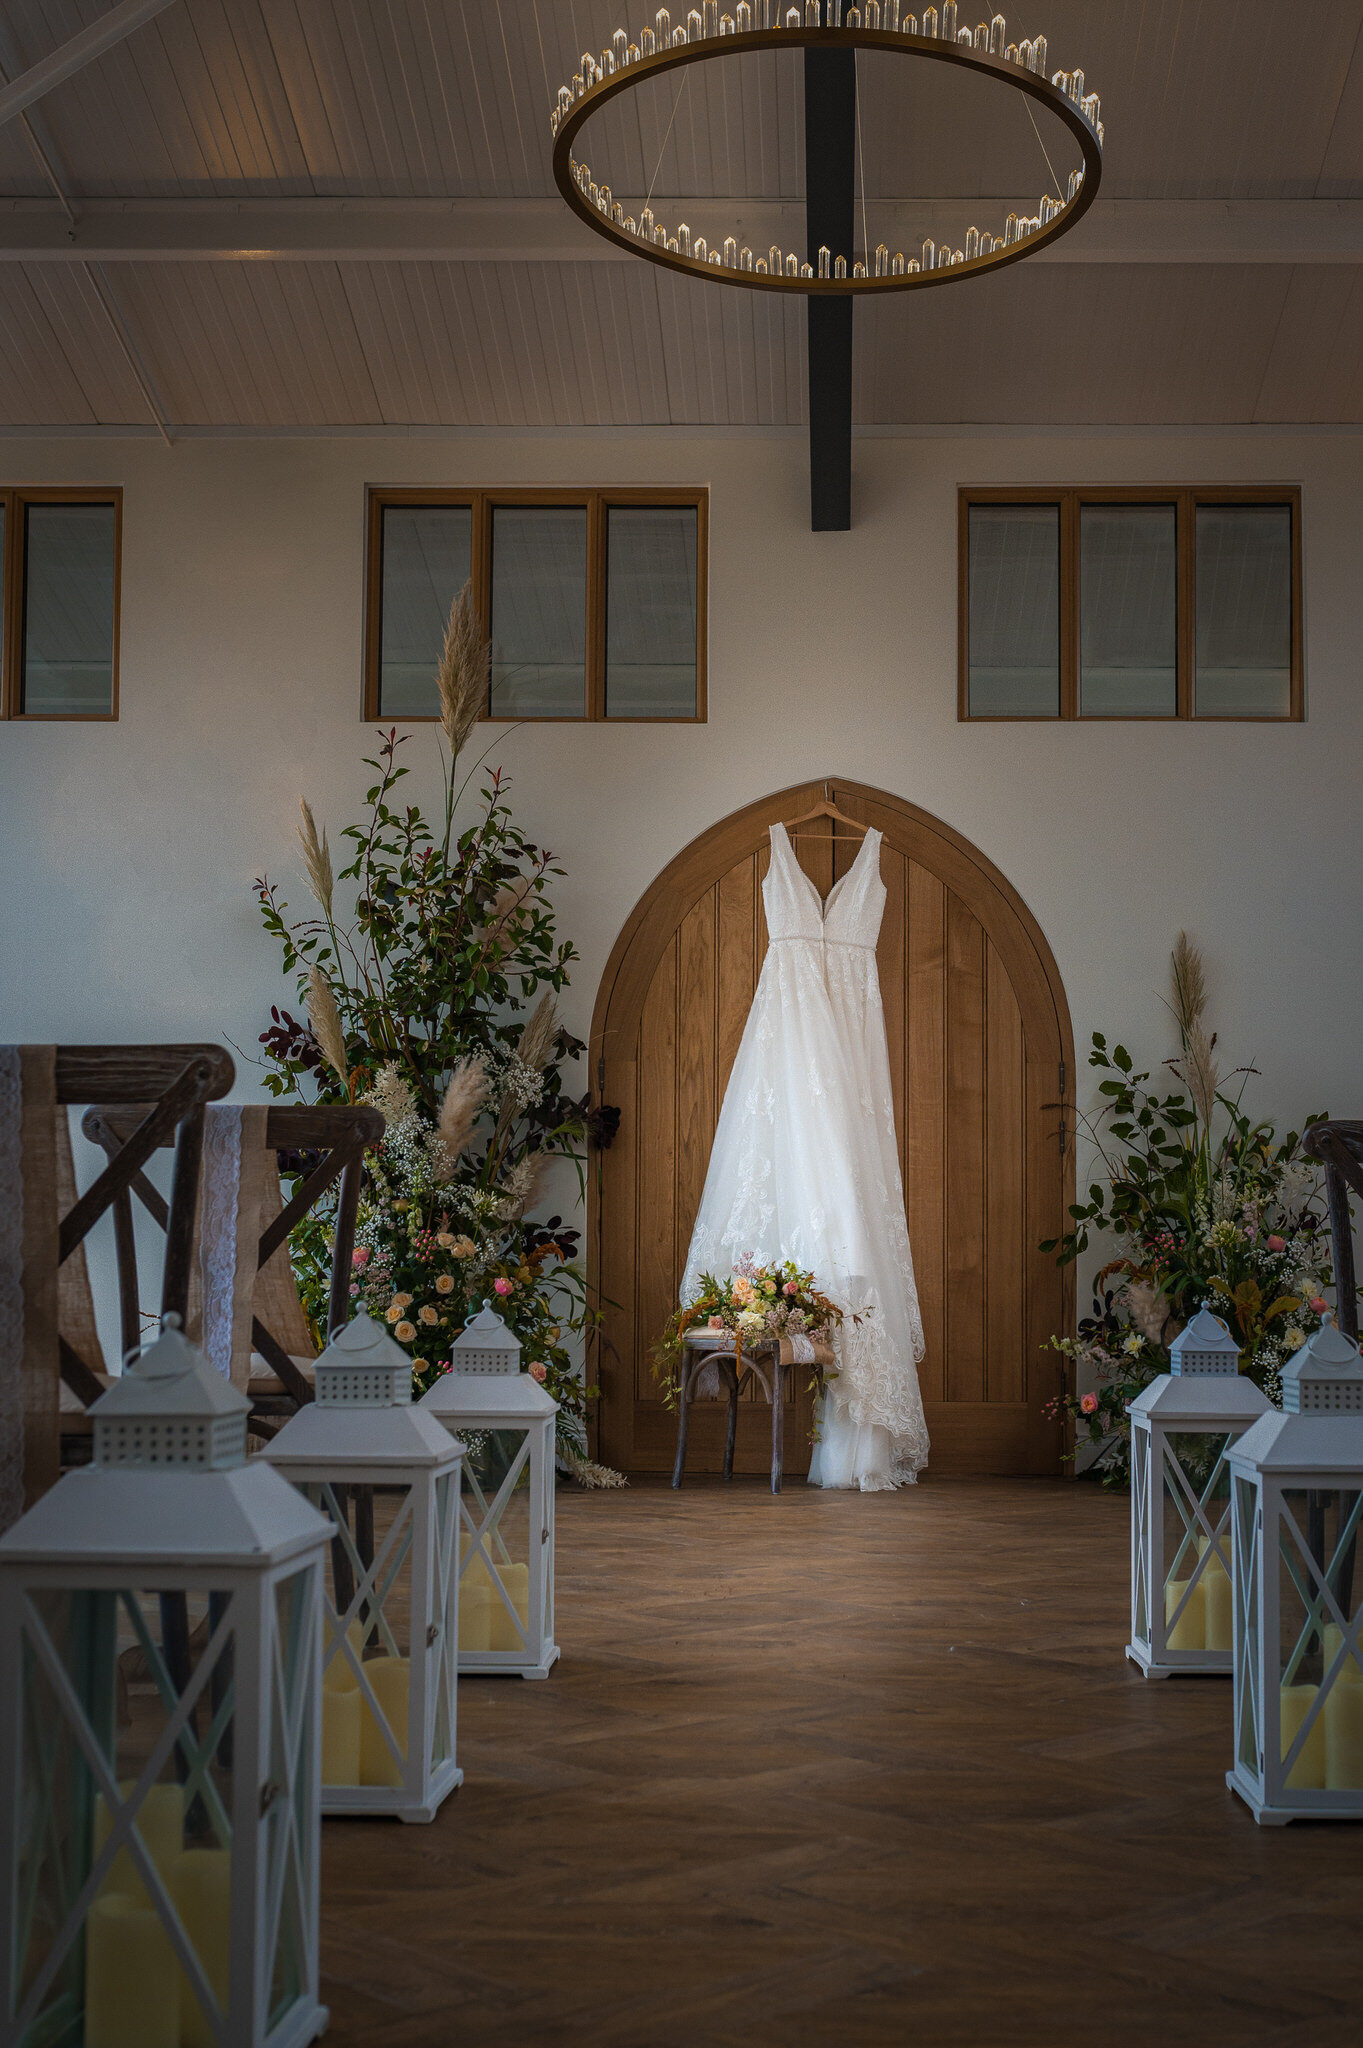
657 1126
1005 1193
735 964
925 1115
616 1343
1049 1296
966 1242
696 1108
892 967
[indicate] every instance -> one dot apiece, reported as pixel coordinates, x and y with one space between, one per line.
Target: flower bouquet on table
752 1304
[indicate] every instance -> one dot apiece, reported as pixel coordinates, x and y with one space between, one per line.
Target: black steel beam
830 163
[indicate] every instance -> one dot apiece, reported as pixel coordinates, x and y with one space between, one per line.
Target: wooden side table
764 1364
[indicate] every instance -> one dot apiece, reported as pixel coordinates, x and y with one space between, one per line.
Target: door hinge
601 1074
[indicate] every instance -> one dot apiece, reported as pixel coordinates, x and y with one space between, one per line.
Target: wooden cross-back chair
341 1134
60 1348
1339 1147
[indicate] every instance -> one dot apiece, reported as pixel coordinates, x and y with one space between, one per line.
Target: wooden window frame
1185 499
16 498
481 503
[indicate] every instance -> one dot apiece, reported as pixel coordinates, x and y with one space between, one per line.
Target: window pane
1015 611
1244 611
1128 614
651 611
539 611
68 609
427 550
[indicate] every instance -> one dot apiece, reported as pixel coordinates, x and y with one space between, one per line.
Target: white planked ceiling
431 100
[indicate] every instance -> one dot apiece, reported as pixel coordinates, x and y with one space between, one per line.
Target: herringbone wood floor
825 1769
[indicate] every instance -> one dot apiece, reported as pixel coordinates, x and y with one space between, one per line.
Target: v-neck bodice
856 902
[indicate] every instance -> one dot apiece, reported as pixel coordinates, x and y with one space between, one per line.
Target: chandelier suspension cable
861 163
1044 151
686 80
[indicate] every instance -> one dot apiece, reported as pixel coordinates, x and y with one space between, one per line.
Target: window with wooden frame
593 600
1141 602
61 546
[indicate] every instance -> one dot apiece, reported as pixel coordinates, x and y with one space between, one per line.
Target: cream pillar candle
161 1824
1216 1588
132 1981
391 1679
201 1885
504 1635
1189 1632
1343 1716
341 1733
1350 1672
339 1674
475 1616
1308 1772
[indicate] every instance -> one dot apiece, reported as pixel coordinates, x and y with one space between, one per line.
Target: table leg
683 1416
778 1422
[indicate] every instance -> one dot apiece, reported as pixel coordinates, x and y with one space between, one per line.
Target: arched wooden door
982 1063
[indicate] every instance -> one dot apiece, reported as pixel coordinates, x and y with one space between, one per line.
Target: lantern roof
324 1439
1313 1448
1201 1400
248 1518
362 1367
486 1345
1324 1377
1203 1346
486 1398
169 1408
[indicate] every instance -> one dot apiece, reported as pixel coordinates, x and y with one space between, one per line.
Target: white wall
128 850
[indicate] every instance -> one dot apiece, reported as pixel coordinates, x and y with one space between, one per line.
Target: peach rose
392 1314
426 1314
444 1238
405 1332
1089 1403
539 1371
402 1301
444 1283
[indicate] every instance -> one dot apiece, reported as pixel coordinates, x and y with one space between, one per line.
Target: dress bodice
855 906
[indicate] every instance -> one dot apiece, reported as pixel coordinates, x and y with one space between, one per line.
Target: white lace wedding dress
805 1165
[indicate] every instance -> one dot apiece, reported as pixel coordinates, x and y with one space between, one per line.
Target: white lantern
1182 1426
1298 1497
387 1476
506 1540
159 1721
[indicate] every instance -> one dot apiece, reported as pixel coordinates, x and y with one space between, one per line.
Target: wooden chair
267 1294
764 1364
172 1083
1339 1147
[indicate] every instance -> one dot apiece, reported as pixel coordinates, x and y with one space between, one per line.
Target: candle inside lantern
341 1733
1308 1772
1190 1630
338 1675
132 1989
504 1634
1216 1587
1350 1671
475 1615
161 1824
201 1885
390 1678
1343 1717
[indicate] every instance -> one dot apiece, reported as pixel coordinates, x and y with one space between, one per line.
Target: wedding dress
805 1165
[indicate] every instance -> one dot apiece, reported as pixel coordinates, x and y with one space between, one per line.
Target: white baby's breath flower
1294 1339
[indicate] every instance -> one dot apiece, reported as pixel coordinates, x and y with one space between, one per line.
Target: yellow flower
444 1238
444 1283
1295 1339
402 1301
392 1313
405 1332
425 1314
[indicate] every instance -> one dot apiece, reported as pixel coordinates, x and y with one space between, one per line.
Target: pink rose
1089 1403
715 1323
539 1371
1276 1244
360 1255
1318 1305
792 1287
502 1287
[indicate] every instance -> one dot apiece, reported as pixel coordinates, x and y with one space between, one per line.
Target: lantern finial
362 1367
1204 1345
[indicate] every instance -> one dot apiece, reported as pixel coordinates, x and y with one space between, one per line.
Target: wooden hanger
826 808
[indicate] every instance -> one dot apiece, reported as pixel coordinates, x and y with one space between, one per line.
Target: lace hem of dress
11 1287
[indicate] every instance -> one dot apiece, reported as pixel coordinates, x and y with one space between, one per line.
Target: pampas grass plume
464 1098
1190 986
537 1037
316 857
462 674
325 1020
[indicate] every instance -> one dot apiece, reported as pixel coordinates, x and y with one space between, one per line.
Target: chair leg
778 1422
688 1371
730 1371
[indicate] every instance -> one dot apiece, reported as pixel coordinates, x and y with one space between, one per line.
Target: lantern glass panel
1247 1745
289 1820
494 1542
1196 1515
1140 1485
1320 1589
365 1725
142 1682
446 1526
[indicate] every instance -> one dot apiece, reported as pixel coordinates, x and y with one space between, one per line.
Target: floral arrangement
1205 1206
753 1302
434 998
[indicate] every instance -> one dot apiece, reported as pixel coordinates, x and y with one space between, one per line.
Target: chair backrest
261 1286
1339 1147
40 1081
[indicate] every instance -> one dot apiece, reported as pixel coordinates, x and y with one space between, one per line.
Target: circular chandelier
818 24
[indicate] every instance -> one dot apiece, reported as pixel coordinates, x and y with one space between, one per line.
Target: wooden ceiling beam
72 56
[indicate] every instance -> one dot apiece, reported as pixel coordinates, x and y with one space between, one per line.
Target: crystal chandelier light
878 25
